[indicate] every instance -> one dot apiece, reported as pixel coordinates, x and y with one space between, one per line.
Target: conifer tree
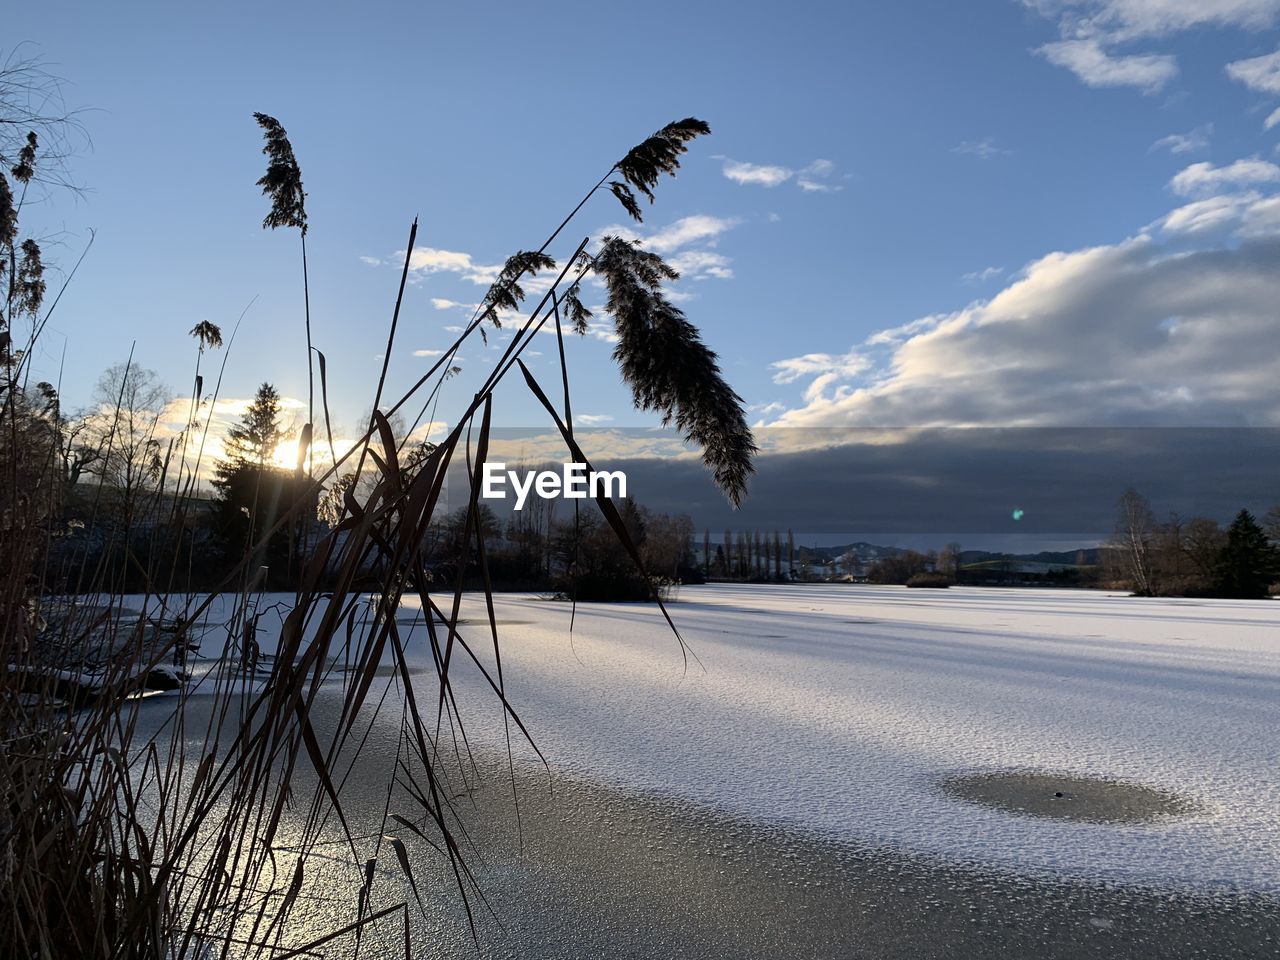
254 492
1248 564
255 438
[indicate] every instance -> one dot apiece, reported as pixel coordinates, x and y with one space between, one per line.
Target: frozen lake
837 711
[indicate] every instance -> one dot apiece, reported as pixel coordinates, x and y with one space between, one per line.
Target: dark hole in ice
1090 799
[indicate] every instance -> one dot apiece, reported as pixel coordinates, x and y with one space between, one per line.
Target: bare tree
31 101
668 542
1133 540
1202 543
949 561
81 447
1271 523
37 134
129 401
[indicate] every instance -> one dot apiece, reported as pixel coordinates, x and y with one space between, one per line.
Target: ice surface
838 709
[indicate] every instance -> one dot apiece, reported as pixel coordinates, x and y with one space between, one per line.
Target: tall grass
206 835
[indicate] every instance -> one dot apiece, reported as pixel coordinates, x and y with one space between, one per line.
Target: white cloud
1261 218
814 178
1123 20
981 276
229 408
1272 119
485 274
1205 178
608 445
758 174
687 244
440 303
591 419
688 230
431 260
1203 216
427 353
371 261
602 330
1132 333
1086 58
225 412
1258 73
1189 142
428 260
845 366
811 179
903 331
432 429
983 149
701 264
1092 29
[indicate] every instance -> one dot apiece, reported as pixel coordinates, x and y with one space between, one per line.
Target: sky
1006 213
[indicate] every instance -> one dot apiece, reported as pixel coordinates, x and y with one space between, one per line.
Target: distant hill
865 552
1060 558
1043 561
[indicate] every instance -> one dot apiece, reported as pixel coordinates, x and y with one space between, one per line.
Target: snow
838 709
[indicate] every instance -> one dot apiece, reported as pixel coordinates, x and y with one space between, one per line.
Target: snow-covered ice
838 709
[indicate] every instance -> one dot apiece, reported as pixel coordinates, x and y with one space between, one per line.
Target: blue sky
999 213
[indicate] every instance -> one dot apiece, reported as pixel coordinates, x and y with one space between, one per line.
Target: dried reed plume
206 837
669 368
282 184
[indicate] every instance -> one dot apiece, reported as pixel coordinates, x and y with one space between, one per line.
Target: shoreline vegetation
553 548
115 843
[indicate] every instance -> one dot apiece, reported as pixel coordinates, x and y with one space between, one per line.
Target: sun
286 455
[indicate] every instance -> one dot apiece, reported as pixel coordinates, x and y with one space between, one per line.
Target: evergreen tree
254 493
633 519
1248 564
255 438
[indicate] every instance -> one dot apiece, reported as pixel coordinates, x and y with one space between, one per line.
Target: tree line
117 474
1191 556
118 441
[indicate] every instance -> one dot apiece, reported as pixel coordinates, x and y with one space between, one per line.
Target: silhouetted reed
204 838
282 184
